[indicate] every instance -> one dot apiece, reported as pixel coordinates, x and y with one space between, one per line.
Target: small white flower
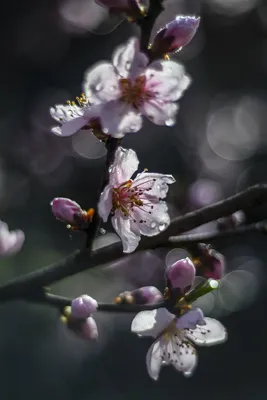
129 88
10 241
175 338
136 204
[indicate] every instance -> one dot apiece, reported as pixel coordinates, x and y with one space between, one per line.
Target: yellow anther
118 300
67 311
166 57
63 319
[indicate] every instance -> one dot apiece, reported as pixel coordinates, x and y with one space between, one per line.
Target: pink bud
143 295
132 8
67 211
89 329
181 274
176 34
232 221
82 307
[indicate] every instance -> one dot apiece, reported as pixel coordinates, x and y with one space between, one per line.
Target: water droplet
98 87
102 231
162 226
170 122
127 65
153 225
158 187
133 128
105 130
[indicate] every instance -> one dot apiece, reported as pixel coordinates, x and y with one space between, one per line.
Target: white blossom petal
190 319
101 84
73 126
151 323
122 226
105 203
151 221
124 166
211 333
128 60
164 73
154 360
179 353
156 184
120 117
160 112
65 112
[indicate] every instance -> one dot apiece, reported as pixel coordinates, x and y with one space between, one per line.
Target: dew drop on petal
98 87
127 65
170 122
162 226
153 225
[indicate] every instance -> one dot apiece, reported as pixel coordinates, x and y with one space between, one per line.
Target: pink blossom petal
167 79
105 203
119 118
122 226
71 127
101 84
124 166
160 112
128 60
66 210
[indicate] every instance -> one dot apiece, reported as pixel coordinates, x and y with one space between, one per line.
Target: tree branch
81 260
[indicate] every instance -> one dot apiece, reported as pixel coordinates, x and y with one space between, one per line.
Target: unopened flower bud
181 274
143 295
175 35
70 212
88 329
82 307
131 8
209 263
10 241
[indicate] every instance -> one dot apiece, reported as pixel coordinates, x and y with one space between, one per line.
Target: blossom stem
81 260
61 302
146 24
211 236
111 145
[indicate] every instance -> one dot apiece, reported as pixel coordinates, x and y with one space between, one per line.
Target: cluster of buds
69 212
143 295
78 317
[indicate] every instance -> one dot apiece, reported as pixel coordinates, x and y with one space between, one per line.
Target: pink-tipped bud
68 211
210 264
176 34
143 295
181 274
82 307
131 8
88 330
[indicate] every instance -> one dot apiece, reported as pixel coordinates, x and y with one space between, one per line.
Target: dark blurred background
218 147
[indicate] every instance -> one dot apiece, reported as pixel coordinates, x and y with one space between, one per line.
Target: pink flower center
129 196
134 92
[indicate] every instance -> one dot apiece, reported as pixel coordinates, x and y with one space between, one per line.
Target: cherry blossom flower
177 328
10 241
130 87
209 262
175 35
79 318
175 338
136 204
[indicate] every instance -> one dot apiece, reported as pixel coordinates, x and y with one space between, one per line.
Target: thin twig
212 236
61 302
82 260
